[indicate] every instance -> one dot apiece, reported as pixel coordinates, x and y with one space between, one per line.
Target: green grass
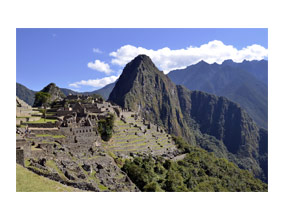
50 114
102 187
27 181
20 126
42 120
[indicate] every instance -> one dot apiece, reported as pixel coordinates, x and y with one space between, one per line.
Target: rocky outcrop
52 91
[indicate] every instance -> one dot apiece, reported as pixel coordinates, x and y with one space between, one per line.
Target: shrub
105 127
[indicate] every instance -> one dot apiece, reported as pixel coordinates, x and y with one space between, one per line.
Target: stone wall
63 113
22 144
20 156
43 125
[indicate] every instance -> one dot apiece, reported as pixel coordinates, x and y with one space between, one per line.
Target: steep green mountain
213 123
245 83
25 94
51 91
143 88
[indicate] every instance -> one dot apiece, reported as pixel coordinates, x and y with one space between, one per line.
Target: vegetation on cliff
199 171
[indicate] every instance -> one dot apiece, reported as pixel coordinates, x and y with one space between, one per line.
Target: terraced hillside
136 136
85 166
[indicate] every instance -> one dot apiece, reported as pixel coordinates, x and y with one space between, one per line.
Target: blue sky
87 59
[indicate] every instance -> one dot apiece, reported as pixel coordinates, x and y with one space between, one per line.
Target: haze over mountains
213 123
245 83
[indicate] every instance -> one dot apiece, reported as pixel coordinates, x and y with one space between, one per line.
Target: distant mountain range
28 95
245 83
213 123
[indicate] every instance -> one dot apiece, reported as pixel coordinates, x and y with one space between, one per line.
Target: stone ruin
79 154
24 112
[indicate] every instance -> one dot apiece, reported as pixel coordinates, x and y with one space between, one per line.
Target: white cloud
100 66
96 50
97 83
167 59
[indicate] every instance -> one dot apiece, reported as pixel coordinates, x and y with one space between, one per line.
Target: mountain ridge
28 95
244 83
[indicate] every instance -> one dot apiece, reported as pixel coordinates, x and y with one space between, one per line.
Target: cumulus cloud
96 50
167 59
100 66
97 83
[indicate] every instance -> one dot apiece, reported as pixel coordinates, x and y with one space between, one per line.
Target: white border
201 14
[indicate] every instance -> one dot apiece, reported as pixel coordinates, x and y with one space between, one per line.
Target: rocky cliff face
212 122
143 88
245 143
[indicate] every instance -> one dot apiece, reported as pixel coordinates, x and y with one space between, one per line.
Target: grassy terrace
122 137
27 181
42 120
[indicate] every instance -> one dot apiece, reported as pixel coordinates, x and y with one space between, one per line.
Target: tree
42 99
105 127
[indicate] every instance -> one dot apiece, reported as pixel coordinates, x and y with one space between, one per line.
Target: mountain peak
228 61
202 62
140 72
54 92
142 57
141 63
